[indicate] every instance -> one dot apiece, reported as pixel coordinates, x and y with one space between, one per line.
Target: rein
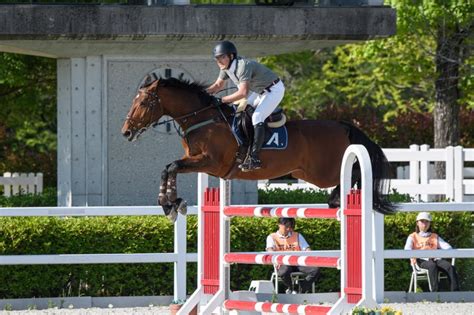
184 133
183 116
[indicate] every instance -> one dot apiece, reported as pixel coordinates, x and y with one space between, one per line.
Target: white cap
424 216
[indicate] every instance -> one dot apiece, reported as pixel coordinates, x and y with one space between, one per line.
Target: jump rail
276 307
289 260
289 212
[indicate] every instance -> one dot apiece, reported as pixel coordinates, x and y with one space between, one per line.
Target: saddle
244 122
242 128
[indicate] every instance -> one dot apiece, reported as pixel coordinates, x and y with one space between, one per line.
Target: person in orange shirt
424 238
286 239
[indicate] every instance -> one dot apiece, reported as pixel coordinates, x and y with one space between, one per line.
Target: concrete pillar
80 145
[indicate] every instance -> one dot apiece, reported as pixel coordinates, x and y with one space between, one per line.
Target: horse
314 151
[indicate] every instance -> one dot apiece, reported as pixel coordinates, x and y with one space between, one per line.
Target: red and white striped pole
288 260
288 212
276 307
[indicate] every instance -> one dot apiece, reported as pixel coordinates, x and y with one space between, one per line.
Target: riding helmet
225 48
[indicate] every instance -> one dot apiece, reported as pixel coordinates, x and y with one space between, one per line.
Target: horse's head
145 111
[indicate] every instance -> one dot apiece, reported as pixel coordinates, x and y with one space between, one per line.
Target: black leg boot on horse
253 161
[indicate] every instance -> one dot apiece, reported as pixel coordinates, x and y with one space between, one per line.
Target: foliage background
28 115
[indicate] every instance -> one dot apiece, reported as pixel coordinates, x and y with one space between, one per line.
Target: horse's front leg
162 198
163 201
186 165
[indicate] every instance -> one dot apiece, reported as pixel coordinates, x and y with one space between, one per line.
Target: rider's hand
217 101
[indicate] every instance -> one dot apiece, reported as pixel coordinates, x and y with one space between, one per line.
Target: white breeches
265 103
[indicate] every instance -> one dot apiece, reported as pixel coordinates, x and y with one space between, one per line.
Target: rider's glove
217 101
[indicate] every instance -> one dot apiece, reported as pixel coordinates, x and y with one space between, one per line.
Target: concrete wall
94 30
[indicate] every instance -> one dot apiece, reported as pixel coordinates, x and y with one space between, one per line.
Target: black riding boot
253 161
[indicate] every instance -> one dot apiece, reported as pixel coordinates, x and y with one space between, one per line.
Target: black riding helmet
225 48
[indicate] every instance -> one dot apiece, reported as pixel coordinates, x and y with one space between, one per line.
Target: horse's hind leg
334 200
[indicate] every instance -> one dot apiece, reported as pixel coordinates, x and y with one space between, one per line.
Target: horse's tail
380 169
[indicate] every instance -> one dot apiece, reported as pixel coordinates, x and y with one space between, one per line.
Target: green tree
28 115
449 25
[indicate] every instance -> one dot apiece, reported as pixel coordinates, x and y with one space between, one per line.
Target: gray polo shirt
258 76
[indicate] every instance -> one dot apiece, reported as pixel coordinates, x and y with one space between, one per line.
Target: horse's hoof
172 216
166 208
182 206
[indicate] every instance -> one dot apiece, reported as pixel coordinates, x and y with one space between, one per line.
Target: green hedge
47 199
155 234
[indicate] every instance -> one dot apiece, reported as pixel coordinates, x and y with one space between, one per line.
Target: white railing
180 257
420 184
417 178
16 183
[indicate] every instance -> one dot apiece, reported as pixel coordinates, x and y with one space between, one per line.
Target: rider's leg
258 137
268 102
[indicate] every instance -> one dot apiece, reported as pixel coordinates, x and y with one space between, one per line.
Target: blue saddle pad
275 138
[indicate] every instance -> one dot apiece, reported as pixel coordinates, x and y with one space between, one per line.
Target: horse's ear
146 82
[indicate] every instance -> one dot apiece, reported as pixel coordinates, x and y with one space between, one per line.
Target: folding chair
295 277
419 273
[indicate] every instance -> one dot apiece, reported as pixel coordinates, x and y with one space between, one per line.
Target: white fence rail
16 183
421 183
380 254
180 257
417 177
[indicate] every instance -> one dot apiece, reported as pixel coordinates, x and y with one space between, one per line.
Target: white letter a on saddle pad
273 139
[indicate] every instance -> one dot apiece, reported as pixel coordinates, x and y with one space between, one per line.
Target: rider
261 86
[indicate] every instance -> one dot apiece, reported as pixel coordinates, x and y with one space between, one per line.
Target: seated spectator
286 239
424 238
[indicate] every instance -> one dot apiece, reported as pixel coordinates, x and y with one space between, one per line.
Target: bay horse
314 152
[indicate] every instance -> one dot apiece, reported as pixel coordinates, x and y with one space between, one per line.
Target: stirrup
250 164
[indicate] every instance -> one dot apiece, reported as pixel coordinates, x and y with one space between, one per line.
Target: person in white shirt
424 238
286 239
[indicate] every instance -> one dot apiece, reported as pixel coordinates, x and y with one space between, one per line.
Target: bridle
150 106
